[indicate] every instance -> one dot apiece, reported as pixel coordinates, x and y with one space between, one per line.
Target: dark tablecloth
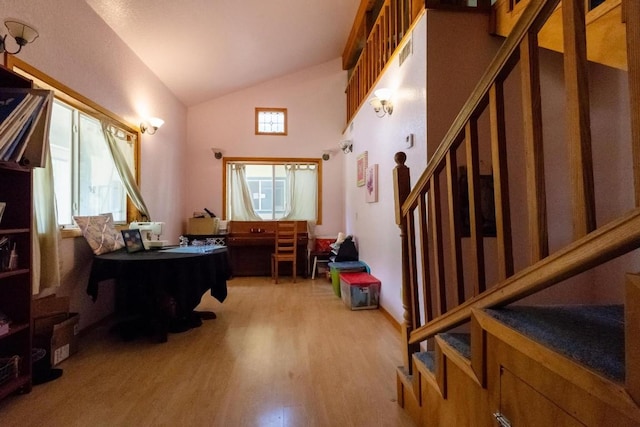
149 276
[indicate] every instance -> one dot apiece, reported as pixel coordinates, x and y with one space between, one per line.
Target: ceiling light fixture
151 125
381 102
22 33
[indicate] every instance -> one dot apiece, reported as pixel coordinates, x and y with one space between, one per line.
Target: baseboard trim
391 319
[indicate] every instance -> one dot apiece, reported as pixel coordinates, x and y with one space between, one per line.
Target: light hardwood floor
277 355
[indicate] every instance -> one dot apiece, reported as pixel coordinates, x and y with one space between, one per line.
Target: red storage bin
359 291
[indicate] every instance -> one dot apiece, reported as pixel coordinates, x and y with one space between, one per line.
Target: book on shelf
25 115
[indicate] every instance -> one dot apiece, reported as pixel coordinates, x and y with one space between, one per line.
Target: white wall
78 49
314 99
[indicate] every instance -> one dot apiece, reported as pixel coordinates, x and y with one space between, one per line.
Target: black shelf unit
15 284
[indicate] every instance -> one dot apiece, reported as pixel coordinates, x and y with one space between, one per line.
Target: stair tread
591 335
461 342
428 358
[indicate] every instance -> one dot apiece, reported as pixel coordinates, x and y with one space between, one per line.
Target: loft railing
385 37
435 295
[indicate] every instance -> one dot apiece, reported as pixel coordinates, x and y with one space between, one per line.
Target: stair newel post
402 188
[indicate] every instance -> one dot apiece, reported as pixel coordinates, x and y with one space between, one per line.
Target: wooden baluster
632 19
475 209
402 188
427 294
532 121
578 121
455 233
500 181
438 250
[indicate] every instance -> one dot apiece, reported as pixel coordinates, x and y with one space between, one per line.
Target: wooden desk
251 243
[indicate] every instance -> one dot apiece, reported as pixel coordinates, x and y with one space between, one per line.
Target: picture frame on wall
372 184
361 169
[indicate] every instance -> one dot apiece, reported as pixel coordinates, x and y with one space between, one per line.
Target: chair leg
315 265
295 271
274 269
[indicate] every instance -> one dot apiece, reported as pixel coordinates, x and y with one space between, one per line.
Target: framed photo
2 206
372 184
132 240
362 169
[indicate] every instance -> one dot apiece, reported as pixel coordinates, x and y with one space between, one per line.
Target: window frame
259 110
270 161
88 107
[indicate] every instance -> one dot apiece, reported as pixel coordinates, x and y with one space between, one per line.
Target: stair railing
435 297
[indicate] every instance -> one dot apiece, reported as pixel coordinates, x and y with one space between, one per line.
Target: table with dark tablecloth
148 281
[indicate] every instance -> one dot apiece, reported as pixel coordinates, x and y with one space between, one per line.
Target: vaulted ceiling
203 49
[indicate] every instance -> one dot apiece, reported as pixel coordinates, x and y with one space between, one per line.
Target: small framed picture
372 184
361 169
2 206
132 240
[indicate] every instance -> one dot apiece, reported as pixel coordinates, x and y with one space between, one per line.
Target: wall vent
406 51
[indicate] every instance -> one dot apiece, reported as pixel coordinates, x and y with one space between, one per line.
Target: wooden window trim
271 110
80 102
270 160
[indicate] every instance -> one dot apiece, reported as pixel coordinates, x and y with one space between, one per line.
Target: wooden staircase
468 361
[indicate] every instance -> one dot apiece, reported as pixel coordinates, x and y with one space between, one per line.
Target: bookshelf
15 283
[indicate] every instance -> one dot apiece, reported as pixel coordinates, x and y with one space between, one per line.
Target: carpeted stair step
428 359
460 342
591 335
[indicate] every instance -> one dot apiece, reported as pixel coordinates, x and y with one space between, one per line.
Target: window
271 189
271 121
86 181
85 177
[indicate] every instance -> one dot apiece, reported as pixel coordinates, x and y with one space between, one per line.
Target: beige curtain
128 180
239 206
302 189
45 245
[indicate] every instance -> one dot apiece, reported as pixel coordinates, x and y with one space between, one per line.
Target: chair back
286 239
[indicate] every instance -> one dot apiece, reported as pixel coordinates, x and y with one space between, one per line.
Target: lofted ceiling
203 49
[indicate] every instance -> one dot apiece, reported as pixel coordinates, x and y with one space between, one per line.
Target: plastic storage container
360 291
336 268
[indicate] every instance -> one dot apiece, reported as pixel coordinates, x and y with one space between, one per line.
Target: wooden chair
286 248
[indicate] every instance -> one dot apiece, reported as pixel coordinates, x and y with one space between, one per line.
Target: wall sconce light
151 125
217 153
346 146
381 102
22 34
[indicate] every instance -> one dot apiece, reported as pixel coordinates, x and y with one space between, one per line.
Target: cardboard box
360 291
203 226
54 328
64 341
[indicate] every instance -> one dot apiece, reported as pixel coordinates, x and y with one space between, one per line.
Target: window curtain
302 189
45 244
240 207
124 171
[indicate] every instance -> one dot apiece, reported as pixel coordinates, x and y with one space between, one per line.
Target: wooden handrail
604 244
497 71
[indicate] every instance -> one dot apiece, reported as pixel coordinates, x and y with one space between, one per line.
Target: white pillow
100 233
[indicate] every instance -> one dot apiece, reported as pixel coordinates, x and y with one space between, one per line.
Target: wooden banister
447 301
602 245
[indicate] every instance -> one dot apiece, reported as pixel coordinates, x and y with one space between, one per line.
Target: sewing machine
150 232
